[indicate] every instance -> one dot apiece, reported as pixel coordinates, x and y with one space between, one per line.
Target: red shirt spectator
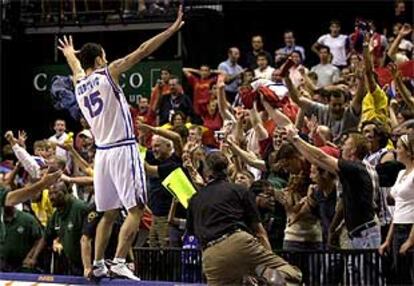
212 121
157 92
161 88
201 86
145 114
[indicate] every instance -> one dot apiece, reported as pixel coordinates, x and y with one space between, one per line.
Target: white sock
99 262
118 260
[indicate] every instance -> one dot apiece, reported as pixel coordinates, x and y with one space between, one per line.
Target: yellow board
179 186
142 152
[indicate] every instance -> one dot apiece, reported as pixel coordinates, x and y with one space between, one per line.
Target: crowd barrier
345 267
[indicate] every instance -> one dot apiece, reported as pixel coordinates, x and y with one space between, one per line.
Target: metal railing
345 267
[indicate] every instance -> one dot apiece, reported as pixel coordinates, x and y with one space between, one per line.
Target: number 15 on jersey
94 103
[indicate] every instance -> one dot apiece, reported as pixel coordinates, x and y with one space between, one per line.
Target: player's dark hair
88 54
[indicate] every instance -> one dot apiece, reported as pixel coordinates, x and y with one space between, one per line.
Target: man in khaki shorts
225 219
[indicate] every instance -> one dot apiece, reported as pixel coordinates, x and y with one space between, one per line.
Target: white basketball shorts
119 178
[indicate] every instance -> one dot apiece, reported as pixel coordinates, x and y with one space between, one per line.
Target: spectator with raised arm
304 233
358 186
336 115
375 102
402 88
405 45
200 80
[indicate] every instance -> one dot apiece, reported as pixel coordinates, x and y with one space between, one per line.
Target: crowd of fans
327 150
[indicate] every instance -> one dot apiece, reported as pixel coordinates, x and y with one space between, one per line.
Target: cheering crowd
326 150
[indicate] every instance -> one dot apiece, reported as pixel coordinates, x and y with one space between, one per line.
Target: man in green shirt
23 231
11 198
65 224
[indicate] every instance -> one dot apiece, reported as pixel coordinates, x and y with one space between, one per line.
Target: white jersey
105 108
278 88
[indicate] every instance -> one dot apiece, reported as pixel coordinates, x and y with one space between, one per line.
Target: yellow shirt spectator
375 106
43 209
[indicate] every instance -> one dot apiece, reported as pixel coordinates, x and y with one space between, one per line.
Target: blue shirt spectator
282 54
232 69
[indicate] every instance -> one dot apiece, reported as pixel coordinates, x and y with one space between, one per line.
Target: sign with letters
138 81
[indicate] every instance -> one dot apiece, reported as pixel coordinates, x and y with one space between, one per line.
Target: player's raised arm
68 50
145 49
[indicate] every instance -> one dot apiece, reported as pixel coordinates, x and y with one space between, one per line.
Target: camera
219 135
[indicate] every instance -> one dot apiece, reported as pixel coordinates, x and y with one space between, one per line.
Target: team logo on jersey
70 225
20 229
92 216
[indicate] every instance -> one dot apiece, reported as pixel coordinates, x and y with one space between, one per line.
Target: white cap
87 133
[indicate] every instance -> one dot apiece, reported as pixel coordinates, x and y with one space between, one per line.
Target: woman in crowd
400 236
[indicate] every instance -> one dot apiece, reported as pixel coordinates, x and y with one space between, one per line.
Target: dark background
206 37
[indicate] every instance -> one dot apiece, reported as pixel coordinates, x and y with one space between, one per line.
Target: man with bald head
233 73
159 163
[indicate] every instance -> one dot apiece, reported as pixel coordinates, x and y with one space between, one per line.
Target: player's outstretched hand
66 46
179 21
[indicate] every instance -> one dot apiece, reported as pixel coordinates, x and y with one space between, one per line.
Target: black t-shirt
181 103
388 173
357 193
358 189
251 59
219 208
159 197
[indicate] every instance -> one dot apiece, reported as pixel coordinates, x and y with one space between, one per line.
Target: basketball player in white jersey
119 178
